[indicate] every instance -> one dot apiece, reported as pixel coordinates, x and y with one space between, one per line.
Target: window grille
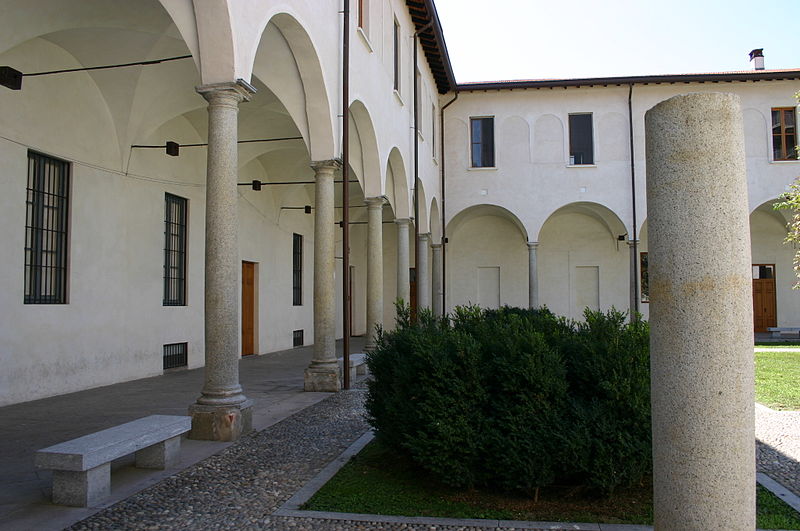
46 225
175 251
297 269
175 355
297 338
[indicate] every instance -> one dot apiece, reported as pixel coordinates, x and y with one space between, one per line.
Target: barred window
175 355
46 225
297 269
175 251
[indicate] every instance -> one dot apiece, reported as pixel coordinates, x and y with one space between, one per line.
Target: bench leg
82 489
160 455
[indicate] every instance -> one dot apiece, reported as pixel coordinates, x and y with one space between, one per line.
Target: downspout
346 195
416 164
442 186
633 202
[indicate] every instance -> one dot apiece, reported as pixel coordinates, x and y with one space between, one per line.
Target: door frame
774 294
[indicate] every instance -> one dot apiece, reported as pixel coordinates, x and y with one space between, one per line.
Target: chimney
757 56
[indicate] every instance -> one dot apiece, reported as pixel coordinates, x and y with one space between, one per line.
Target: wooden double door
248 308
764 301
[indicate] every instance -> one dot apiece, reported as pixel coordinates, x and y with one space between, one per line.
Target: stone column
374 268
403 281
423 272
633 245
436 280
323 372
701 320
533 276
222 412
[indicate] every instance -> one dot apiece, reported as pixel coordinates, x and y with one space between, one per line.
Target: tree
791 201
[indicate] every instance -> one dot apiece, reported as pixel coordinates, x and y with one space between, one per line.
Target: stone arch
582 262
215 33
364 130
487 258
548 130
396 185
435 222
423 222
288 63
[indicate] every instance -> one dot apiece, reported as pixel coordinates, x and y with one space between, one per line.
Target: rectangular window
396 41
175 355
46 224
175 250
297 338
363 16
482 139
297 269
644 277
581 148
784 134
433 130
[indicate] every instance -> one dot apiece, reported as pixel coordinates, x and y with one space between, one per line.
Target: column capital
331 165
631 243
402 221
229 92
436 246
375 202
533 245
424 236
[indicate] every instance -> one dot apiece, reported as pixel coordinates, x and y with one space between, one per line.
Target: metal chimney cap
758 52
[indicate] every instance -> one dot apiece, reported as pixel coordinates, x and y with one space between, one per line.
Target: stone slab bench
778 330
82 467
358 366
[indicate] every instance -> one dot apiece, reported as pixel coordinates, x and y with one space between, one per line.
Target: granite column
403 280
436 279
423 272
533 276
374 268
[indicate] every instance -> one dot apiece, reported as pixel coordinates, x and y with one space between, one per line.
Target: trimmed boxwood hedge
515 398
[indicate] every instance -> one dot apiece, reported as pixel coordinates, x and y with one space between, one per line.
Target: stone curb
788 497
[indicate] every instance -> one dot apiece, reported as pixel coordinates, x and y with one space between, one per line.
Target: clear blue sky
492 40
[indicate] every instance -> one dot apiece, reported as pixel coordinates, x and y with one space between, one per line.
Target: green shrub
515 398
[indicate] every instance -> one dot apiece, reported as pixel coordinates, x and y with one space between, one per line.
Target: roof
423 13
713 77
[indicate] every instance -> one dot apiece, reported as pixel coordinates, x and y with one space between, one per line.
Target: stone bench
358 366
82 467
778 330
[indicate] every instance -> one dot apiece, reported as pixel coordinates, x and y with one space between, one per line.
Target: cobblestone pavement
778 446
242 486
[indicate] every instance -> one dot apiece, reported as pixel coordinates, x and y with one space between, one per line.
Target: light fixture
173 148
10 78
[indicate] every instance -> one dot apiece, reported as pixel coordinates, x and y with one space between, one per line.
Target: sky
492 40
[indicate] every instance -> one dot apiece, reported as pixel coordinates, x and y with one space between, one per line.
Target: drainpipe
346 195
633 202
442 186
416 162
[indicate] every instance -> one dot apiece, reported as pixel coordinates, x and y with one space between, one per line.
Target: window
784 134
482 138
175 251
396 41
46 223
363 16
581 149
175 355
433 130
297 269
297 338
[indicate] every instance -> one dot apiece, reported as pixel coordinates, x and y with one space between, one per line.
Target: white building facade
133 237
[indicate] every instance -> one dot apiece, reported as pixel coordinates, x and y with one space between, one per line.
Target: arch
422 201
288 63
368 142
435 222
607 217
783 217
485 209
217 45
396 185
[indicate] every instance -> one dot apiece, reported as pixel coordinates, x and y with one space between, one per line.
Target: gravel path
240 487
778 446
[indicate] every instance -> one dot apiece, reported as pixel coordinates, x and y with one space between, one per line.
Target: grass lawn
377 481
778 380
793 345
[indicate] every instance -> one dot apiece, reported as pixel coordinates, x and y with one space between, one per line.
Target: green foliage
515 398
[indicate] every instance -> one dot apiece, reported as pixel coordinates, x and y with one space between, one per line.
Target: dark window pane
581 148
175 251
482 142
297 269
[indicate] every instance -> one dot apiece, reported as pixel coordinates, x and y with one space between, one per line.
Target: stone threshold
291 507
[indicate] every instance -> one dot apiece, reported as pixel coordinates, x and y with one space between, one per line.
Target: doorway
248 308
764 305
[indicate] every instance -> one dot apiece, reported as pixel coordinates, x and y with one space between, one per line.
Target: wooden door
350 299
764 305
248 308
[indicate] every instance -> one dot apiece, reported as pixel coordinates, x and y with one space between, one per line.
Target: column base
324 378
221 423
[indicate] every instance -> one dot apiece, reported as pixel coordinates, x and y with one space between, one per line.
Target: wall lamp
12 78
306 209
